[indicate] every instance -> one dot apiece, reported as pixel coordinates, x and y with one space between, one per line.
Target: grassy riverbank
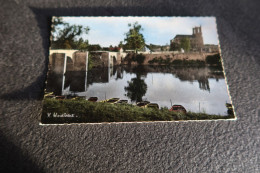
91 112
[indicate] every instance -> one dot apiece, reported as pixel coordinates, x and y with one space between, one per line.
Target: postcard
135 69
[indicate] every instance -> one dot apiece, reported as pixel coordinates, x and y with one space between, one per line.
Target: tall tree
185 44
56 21
134 38
136 89
82 45
64 35
121 45
175 47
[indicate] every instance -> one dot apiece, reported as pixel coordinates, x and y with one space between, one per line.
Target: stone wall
180 56
79 60
104 58
56 62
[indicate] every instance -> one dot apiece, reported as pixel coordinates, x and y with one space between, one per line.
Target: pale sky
107 31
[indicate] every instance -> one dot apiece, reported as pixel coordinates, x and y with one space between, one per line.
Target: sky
107 31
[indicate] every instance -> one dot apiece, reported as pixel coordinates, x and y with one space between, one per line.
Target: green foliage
121 45
82 45
154 60
134 38
175 47
177 62
67 45
159 61
167 61
139 58
92 112
214 60
184 62
66 37
94 47
185 44
56 21
90 61
136 89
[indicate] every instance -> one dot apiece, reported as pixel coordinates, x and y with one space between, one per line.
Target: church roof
183 36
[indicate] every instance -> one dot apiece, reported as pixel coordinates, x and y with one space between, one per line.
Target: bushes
92 112
155 60
188 62
177 62
213 60
139 58
160 61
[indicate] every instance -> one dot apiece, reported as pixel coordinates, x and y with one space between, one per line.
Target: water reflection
136 88
196 88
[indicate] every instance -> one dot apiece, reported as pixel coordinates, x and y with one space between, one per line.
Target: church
196 39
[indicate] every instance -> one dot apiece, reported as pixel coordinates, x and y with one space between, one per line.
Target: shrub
140 58
177 62
91 112
213 59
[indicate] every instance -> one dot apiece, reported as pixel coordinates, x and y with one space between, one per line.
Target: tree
121 45
175 46
66 36
94 47
139 58
56 21
67 44
185 44
82 45
134 38
136 89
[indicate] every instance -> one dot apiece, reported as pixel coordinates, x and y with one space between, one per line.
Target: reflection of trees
76 80
118 72
97 75
204 84
136 88
54 82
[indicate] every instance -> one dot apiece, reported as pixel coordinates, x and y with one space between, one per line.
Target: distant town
181 47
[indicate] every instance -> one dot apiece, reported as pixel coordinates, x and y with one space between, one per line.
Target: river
198 89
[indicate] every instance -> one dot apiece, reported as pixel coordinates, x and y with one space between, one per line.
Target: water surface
198 89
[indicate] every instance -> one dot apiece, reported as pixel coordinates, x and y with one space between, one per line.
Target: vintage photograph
135 69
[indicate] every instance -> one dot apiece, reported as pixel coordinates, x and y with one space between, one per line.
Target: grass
95 112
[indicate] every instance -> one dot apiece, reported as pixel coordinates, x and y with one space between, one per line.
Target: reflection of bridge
74 60
68 71
61 61
67 65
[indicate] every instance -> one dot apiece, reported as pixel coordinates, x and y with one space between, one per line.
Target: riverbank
184 59
83 111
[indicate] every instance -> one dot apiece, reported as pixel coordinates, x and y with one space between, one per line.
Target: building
158 48
211 48
196 39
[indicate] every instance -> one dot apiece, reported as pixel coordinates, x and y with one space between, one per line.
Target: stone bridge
62 60
108 59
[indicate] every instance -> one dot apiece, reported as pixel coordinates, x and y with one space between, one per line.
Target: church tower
197 41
